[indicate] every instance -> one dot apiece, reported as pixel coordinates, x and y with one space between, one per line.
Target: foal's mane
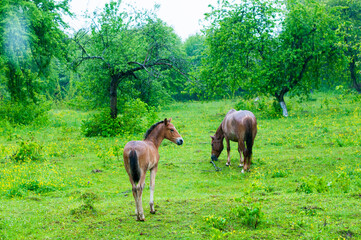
151 129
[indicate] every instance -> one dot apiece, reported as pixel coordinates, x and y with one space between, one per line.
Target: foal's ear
212 137
166 121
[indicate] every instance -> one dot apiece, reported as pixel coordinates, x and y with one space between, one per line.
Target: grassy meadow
305 181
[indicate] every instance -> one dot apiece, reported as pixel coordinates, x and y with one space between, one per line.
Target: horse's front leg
153 172
228 152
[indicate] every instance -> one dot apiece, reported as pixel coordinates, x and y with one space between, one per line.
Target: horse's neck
219 133
156 137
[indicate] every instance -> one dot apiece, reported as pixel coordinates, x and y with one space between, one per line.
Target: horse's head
171 133
217 147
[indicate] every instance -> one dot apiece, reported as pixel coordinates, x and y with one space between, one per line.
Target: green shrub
262 107
14 192
33 185
28 151
101 124
87 208
24 113
219 223
135 117
250 214
36 186
312 184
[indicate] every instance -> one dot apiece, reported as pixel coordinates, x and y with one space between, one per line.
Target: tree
308 38
122 46
31 36
235 39
194 47
350 14
269 51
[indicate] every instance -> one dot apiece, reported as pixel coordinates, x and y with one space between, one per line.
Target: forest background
135 60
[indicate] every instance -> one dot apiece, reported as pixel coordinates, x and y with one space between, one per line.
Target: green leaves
268 49
31 36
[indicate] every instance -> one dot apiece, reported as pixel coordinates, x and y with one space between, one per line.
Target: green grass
305 181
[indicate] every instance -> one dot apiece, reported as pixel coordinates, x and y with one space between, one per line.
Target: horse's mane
151 129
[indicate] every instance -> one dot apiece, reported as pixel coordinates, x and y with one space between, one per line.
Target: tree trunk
114 96
281 100
352 67
284 109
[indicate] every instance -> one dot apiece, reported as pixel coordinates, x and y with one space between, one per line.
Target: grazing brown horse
141 156
237 126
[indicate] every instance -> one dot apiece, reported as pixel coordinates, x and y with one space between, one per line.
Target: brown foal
141 156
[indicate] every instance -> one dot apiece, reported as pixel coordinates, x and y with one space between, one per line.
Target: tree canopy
31 36
268 49
130 54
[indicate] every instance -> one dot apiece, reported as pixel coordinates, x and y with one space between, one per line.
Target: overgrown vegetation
302 181
136 116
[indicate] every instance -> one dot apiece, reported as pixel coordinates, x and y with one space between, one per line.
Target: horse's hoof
228 164
152 212
240 165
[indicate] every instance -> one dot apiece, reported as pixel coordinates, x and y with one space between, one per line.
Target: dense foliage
269 49
31 37
247 48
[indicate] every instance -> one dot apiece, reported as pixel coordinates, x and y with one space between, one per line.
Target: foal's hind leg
153 172
137 193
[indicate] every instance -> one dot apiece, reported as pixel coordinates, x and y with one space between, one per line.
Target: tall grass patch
18 180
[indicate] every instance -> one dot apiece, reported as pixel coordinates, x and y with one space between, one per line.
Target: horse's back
146 153
237 117
236 123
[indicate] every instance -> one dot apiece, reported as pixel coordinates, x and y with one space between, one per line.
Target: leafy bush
136 116
251 214
312 184
32 185
24 113
87 208
101 124
261 107
28 151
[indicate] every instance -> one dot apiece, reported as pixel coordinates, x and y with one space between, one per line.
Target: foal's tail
134 166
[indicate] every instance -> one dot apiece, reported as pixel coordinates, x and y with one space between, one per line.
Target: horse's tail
134 166
249 138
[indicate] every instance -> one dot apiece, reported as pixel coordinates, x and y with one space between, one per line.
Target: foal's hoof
247 170
240 165
228 164
152 212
